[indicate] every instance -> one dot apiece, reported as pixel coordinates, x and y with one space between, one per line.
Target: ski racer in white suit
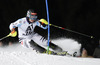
26 32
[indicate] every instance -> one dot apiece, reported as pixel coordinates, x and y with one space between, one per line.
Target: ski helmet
31 14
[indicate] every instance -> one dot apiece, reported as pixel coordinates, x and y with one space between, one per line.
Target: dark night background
78 15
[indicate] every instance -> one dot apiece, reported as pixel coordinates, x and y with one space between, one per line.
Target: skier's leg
25 43
42 41
28 43
39 40
37 47
55 47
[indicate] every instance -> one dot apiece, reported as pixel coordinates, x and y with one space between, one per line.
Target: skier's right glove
13 31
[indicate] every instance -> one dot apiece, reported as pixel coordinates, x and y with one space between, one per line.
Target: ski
63 53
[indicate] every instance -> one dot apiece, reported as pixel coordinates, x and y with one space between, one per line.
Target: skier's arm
15 24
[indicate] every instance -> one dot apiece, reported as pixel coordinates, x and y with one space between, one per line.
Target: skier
26 32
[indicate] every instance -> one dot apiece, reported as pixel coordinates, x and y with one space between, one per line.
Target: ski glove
13 31
43 21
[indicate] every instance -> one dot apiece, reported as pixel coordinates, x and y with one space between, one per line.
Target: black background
77 15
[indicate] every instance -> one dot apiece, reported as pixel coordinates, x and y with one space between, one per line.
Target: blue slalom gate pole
48 24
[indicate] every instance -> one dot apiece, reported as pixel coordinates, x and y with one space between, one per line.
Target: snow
17 55
69 45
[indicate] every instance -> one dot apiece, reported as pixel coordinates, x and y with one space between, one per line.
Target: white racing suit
26 32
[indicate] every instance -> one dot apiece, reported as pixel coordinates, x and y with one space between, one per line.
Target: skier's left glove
13 33
43 24
43 21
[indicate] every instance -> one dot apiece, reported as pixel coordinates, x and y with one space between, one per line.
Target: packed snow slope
17 55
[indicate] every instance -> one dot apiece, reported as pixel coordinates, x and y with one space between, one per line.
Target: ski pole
71 31
45 22
10 34
4 37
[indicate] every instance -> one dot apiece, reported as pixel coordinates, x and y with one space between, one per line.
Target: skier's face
31 20
32 17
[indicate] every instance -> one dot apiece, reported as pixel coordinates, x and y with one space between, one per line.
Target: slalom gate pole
48 25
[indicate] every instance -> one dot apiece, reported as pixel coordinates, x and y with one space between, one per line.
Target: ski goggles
33 16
